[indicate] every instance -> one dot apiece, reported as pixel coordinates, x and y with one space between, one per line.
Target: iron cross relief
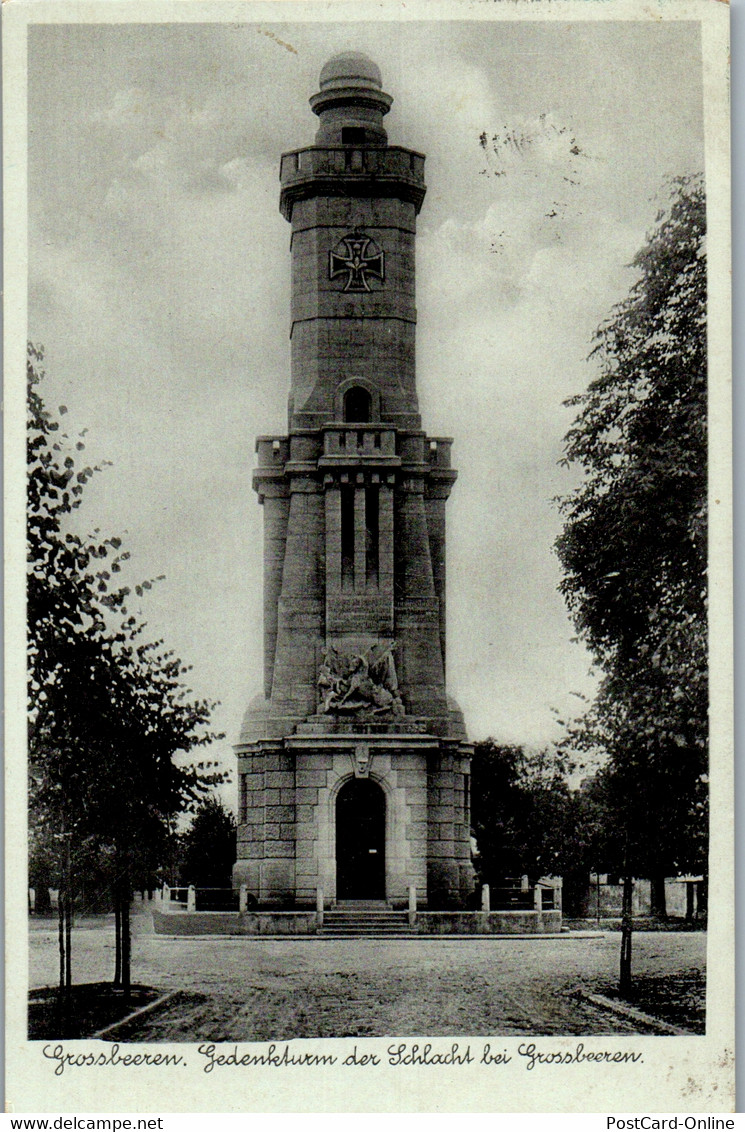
359 258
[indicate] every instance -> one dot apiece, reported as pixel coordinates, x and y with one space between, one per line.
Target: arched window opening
357 405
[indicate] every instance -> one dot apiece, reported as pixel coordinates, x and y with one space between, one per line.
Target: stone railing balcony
365 444
314 161
392 170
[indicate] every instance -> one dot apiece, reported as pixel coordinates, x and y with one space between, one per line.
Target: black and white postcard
369 680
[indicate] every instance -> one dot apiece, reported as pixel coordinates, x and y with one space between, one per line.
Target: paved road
246 989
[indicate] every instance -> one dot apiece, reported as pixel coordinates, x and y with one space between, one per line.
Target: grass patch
83 1010
679 999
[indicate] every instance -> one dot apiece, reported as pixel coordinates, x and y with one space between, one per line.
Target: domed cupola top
351 102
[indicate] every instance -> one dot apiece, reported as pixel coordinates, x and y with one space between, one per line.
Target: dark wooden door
360 841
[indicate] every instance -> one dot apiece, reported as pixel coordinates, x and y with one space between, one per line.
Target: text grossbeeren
111 1058
578 1056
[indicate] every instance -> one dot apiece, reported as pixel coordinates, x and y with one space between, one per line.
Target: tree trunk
658 906
117 940
68 911
68 940
597 894
124 890
61 937
126 943
627 925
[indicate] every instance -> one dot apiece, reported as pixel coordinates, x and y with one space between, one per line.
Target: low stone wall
304 923
234 923
487 923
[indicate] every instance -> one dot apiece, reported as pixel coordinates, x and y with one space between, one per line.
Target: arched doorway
360 841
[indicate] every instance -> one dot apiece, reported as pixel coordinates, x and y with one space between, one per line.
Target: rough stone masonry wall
266 833
287 835
319 775
312 771
411 778
338 334
448 833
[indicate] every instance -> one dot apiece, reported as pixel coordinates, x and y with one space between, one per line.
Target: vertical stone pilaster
413 563
435 509
416 609
333 538
301 605
360 550
385 552
276 511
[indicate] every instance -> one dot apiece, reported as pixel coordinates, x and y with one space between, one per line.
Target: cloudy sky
159 286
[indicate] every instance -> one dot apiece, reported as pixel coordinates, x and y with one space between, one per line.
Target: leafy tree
137 717
107 711
63 614
521 811
634 545
208 846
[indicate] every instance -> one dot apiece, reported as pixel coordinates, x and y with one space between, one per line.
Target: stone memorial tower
354 766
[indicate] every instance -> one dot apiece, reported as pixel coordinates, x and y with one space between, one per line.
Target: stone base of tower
359 816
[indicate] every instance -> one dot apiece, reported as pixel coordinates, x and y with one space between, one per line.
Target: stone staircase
373 921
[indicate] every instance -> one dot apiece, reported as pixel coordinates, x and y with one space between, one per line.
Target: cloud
160 284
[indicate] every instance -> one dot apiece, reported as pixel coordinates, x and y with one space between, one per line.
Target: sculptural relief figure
329 682
364 683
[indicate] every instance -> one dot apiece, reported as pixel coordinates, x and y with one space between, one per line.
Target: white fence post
485 898
191 899
538 898
242 898
319 907
412 905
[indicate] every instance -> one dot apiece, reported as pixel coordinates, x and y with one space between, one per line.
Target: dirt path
254 990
